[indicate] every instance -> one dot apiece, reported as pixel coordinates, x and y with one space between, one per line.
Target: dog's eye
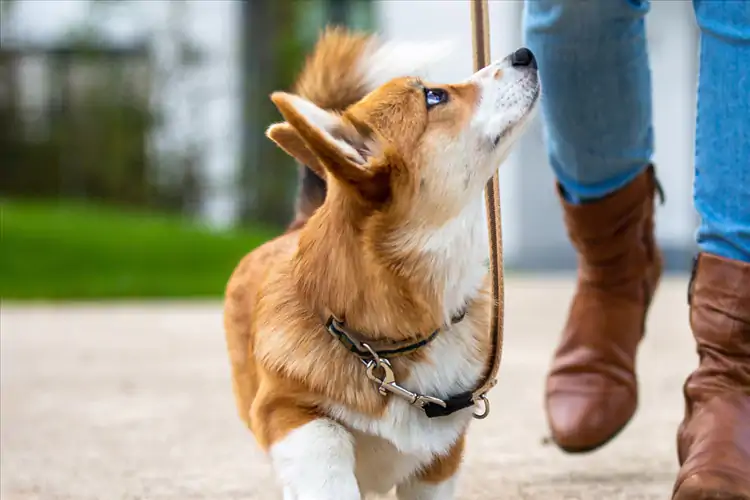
433 97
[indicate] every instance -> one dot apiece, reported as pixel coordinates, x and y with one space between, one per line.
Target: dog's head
416 149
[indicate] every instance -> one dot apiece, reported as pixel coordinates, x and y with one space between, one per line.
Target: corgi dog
351 335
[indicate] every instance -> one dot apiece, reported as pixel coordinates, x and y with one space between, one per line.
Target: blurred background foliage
90 208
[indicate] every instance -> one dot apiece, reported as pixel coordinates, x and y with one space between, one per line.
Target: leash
375 357
480 23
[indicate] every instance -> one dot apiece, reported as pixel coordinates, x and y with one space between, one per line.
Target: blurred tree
86 133
271 54
82 137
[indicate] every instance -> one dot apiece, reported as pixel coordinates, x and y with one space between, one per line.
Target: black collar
354 341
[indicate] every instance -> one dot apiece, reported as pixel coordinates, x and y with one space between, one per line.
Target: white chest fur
457 251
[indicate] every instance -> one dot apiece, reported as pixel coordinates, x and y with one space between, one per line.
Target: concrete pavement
133 401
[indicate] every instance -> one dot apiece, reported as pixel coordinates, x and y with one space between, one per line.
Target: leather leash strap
481 42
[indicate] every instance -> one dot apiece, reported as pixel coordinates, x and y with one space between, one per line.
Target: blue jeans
594 66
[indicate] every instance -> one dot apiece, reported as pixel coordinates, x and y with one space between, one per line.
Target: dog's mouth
531 102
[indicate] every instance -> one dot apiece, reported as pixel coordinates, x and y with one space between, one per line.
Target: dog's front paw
316 462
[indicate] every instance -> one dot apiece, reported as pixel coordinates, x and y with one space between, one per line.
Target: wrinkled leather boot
591 388
713 441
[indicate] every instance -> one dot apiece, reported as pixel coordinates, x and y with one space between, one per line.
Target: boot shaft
719 298
614 238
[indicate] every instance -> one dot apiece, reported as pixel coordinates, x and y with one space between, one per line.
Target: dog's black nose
524 58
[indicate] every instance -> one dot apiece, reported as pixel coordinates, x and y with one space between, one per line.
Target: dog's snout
523 57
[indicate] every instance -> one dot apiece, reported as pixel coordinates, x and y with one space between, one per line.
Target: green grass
65 251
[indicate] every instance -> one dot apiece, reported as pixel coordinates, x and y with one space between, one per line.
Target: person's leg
596 100
722 135
593 64
714 438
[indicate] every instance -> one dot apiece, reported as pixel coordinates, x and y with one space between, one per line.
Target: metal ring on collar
485 409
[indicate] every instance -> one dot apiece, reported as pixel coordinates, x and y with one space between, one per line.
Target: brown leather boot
591 389
713 441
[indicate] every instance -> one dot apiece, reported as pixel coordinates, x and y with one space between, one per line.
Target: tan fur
444 466
288 139
327 78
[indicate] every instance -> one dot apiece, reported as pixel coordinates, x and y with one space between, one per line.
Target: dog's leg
316 462
438 480
416 489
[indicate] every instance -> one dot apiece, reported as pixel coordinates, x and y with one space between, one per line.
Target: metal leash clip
387 382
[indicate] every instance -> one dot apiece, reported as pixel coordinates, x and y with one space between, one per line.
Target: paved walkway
134 402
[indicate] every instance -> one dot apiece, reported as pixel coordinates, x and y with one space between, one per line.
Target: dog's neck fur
403 285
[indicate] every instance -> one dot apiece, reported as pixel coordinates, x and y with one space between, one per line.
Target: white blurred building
532 222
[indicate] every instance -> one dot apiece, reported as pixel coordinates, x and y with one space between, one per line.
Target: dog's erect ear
343 150
287 138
